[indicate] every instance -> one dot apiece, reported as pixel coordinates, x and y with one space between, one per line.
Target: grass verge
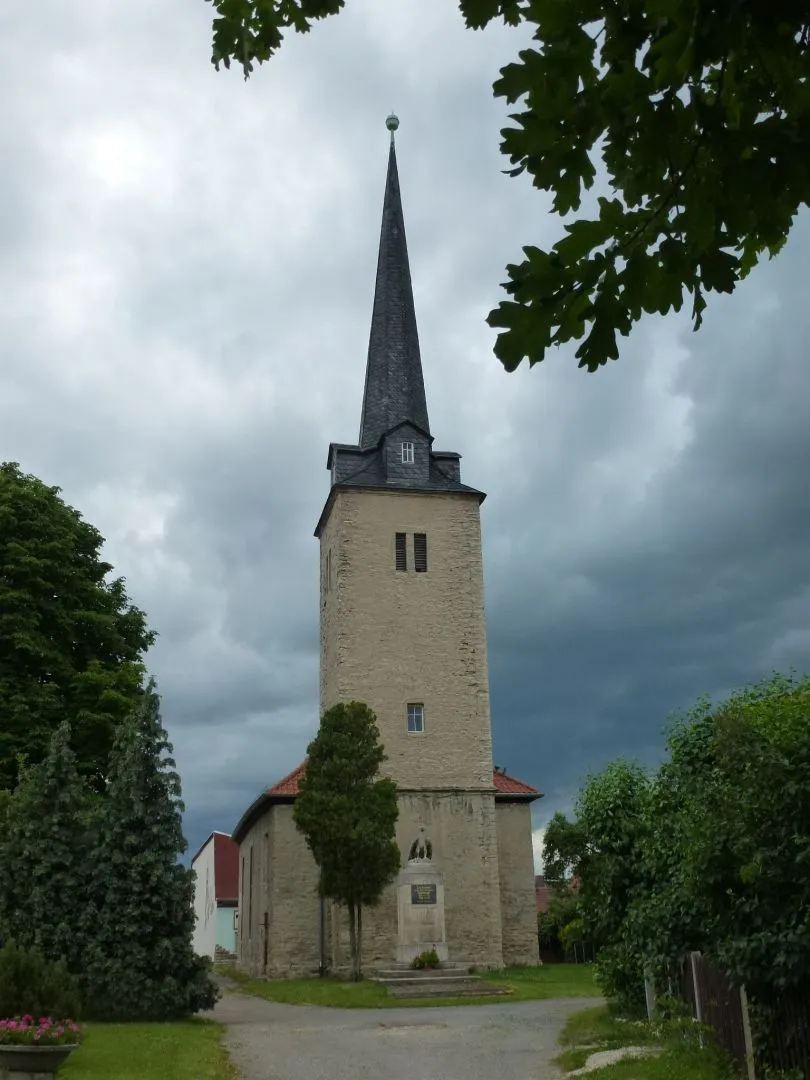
189 1050
524 984
681 1058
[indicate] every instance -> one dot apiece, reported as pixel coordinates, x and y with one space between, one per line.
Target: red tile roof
508 785
504 784
506 788
289 784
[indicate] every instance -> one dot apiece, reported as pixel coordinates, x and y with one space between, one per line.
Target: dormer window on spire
407 453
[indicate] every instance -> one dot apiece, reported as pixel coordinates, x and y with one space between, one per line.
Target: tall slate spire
395 388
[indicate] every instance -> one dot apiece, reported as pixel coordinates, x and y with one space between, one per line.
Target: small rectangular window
407 453
416 719
420 553
401 552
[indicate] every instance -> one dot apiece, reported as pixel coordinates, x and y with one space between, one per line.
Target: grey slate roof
395 389
394 404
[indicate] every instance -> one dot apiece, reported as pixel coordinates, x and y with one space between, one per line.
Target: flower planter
27 1062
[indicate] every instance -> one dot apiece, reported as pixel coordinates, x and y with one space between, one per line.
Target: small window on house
407 453
401 552
420 553
416 719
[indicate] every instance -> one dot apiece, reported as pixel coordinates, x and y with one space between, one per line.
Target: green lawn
524 984
191 1050
596 1029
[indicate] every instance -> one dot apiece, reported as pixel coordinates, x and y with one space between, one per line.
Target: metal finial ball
392 122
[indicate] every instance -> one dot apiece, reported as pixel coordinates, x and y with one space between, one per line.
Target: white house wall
205 905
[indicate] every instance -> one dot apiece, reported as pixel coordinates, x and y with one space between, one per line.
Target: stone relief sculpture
421 850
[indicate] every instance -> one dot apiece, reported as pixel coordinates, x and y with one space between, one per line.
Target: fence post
749 1042
649 993
693 959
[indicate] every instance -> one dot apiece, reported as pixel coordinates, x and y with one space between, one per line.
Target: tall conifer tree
140 962
43 851
348 814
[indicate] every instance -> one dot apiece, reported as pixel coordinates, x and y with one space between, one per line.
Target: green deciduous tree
730 872
139 963
71 644
710 853
602 847
347 814
561 925
700 113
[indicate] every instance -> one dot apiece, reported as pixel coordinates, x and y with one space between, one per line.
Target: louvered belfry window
401 552
420 553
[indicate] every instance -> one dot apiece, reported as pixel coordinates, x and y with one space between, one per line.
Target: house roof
507 789
226 865
288 785
542 893
508 785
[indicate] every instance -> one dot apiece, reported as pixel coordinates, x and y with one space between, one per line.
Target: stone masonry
391 637
401 638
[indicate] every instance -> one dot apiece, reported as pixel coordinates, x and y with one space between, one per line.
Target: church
402 628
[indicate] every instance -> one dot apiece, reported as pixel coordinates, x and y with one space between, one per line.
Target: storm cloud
186 273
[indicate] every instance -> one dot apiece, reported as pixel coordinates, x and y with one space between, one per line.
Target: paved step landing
450 980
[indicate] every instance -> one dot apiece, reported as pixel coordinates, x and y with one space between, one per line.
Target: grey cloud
186 275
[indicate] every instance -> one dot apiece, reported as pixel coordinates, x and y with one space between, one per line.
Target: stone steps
449 988
450 980
424 974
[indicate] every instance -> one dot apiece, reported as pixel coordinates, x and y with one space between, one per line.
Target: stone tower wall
461 828
285 890
391 638
518 901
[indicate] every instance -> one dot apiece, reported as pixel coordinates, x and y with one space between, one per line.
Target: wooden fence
767 1032
782 1032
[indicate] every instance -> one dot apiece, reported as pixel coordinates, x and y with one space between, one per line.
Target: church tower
403 630
402 608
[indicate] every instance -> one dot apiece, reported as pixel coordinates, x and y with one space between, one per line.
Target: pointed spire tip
392 123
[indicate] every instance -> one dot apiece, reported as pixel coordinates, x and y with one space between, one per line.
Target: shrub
32 985
427 959
547 930
619 975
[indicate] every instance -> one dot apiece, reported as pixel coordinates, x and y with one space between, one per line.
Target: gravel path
269 1041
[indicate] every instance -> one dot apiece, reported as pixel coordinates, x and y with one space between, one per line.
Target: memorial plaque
423 894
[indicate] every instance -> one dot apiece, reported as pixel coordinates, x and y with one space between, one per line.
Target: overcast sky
186 274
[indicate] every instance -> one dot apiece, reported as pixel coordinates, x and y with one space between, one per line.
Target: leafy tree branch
641 85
